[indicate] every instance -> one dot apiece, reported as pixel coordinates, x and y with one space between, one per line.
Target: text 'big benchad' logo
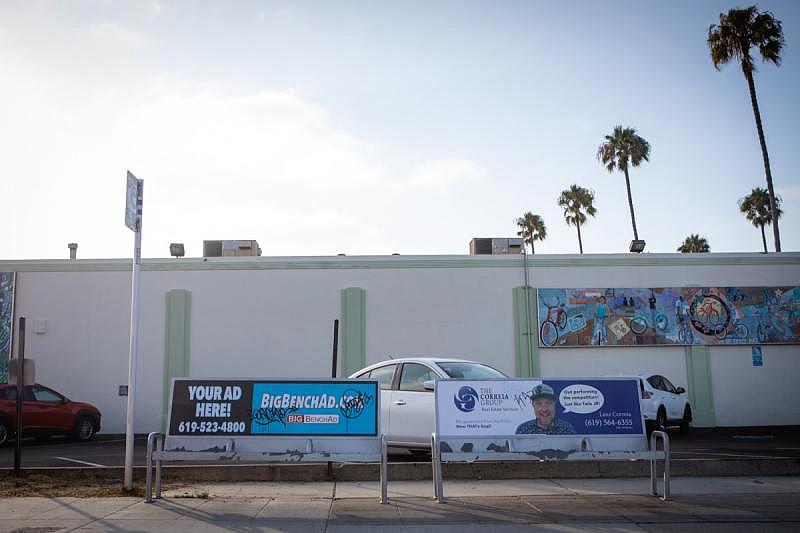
466 399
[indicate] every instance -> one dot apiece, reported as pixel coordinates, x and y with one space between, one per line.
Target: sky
371 128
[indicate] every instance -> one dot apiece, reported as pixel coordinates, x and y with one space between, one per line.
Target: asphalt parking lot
718 444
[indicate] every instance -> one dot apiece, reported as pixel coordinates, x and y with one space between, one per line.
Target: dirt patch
83 485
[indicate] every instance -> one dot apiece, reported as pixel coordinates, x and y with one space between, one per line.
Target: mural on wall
6 321
664 316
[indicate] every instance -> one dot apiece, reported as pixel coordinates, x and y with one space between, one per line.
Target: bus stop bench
163 448
540 448
246 420
535 419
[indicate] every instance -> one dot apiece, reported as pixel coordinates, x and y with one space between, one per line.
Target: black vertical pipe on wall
335 347
335 357
20 385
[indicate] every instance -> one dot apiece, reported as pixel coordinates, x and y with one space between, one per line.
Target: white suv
663 404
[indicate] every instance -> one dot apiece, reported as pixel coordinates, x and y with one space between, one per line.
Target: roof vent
495 246
241 248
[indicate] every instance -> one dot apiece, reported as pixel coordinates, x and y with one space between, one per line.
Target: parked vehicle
663 404
407 400
46 412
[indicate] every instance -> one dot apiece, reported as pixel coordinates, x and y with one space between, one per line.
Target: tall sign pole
133 220
20 397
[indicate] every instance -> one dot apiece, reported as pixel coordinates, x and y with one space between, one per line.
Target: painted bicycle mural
664 316
6 321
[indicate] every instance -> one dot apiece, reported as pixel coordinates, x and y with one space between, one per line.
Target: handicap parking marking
80 462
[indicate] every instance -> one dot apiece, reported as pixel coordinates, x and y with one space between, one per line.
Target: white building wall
274 321
614 361
756 396
456 312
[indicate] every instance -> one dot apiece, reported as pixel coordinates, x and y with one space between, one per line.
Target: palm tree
738 31
756 208
532 229
577 203
623 148
694 244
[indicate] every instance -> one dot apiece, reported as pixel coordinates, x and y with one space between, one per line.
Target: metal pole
133 354
653 486
20 388
160 448
433 467
334 365
384 471
437 457
148 485
666 467
335 347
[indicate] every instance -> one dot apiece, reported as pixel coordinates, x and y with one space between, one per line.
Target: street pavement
706 444
705 504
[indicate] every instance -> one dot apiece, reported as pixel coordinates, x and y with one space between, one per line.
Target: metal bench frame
518 448
272 450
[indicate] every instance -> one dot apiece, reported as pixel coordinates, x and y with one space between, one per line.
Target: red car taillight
646 395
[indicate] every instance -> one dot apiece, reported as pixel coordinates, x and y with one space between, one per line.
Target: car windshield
462 370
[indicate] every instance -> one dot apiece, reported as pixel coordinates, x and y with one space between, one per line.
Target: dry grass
81 485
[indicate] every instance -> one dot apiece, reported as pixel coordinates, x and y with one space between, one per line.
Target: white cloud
200 137
445 173
218 161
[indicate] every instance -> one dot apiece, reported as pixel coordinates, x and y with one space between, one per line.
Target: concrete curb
422 471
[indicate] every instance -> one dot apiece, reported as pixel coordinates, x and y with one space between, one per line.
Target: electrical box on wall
39 326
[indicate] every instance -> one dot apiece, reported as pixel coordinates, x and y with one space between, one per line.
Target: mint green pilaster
176 341
526 340
701 392
353 354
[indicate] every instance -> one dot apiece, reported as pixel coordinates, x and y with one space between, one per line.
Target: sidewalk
697 504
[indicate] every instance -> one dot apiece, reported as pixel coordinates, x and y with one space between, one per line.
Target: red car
46 412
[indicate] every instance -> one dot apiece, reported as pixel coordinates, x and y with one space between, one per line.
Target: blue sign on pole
758 358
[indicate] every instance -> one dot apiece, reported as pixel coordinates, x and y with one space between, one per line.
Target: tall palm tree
624 148
532 229
757 209
577 203
737 32
694 244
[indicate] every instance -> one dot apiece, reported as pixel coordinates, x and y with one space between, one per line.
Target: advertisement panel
241 407
669 316
592 406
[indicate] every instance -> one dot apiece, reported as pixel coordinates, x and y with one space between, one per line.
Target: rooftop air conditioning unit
240 248
495 246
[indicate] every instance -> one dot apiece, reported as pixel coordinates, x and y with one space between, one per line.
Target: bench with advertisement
543 420
252 420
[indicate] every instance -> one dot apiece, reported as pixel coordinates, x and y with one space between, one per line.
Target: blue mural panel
6 321
669 316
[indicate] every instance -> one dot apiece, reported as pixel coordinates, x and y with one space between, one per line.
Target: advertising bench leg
156 454
653 455
155 441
